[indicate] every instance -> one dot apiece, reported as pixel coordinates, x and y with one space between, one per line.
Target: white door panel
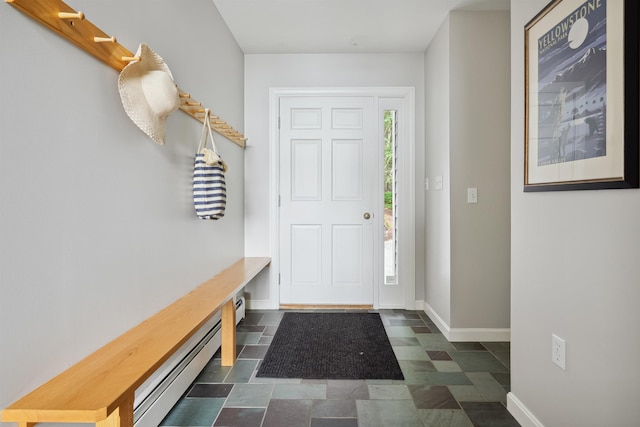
328 155
306 168
347 169
347 255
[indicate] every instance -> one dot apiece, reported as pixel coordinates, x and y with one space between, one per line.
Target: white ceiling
340 26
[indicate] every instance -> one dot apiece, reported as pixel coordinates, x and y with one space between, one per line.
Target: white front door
328 157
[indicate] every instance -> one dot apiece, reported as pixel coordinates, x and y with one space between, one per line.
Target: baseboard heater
155 397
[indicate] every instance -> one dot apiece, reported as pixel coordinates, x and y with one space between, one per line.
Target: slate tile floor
446 384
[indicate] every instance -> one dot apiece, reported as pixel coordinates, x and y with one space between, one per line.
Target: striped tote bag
209 186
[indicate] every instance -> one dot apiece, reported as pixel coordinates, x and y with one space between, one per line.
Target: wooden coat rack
72 25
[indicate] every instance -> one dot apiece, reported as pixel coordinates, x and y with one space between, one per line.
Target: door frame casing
406 232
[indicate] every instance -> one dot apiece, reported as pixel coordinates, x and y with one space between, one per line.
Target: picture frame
581 97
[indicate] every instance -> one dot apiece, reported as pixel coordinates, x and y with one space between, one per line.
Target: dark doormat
331 346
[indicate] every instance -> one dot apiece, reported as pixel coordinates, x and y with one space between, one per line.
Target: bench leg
122 416
26 424
229 333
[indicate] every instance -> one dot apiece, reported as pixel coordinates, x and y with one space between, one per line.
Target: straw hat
148 92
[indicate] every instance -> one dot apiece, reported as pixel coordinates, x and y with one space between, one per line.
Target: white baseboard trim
440 323
392 307
466 334
521 413
259 304
479 334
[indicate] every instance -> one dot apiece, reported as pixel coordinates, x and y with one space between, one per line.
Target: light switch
439 182
472 195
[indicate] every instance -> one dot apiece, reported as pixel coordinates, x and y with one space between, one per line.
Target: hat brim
132 93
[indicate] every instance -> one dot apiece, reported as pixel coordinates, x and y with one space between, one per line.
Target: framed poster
581 96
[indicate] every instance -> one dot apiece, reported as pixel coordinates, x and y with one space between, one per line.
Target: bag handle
203 135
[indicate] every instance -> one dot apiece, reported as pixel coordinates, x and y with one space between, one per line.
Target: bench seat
100 388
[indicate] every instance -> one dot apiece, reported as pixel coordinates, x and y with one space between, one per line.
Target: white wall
574 273
467 144
479 149
97 229
263 72
437 160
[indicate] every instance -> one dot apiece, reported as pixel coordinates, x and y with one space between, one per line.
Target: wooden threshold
324 307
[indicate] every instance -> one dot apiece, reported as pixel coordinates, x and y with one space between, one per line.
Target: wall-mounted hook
86 35
71 15
111 39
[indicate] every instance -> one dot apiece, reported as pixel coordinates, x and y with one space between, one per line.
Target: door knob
367 215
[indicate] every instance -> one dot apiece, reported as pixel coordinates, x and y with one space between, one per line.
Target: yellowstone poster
572 86
574 109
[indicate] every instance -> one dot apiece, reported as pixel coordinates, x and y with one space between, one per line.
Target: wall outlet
558 351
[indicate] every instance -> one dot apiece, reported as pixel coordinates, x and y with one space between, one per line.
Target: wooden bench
100 388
